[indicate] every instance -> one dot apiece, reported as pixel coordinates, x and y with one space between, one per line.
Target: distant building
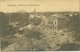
55 23
36 14
51 23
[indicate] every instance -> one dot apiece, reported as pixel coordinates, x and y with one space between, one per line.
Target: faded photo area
52 25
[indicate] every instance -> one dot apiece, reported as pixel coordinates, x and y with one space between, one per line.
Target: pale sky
43 5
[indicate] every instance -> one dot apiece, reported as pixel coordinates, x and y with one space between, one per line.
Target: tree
69 47
33 36
32 42
36 21
73 24
3 24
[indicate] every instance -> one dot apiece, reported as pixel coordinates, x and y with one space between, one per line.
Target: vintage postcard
39 25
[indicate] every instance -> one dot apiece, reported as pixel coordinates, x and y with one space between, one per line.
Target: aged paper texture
40 25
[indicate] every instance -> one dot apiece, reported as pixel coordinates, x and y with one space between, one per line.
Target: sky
39 5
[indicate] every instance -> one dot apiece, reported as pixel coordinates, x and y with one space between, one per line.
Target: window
55 27
55 22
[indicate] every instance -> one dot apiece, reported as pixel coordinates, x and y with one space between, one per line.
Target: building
51 23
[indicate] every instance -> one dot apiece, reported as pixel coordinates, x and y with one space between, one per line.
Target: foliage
7 19
73 21
3 44
73 24
33 41
32 34
36 21
69 47
3 23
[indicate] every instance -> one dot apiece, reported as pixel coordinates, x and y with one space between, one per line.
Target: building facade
51 23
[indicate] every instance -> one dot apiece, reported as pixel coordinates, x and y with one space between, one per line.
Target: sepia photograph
39 25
